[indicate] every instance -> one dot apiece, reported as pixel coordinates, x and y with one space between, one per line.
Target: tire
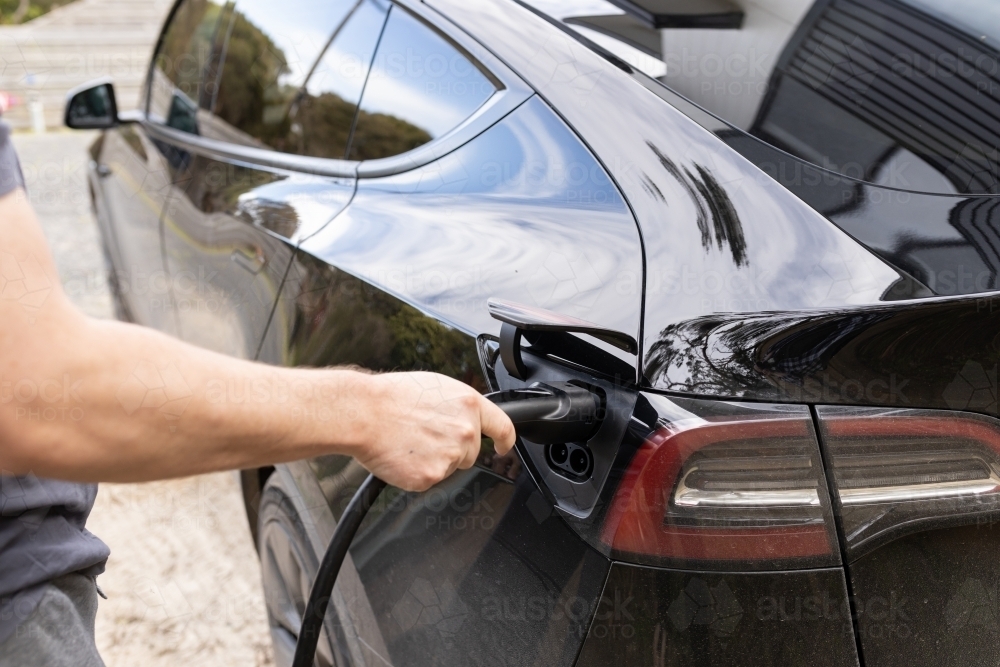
288 567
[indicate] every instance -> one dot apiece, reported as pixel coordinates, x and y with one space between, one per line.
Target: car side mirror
92 106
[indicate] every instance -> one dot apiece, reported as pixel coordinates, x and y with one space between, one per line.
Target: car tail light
901 471
724 485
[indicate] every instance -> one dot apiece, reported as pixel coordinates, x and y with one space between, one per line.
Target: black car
765 233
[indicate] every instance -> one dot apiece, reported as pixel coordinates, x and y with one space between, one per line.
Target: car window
292 74
420 87
178 68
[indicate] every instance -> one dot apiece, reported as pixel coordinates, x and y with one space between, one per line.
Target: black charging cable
329 568
543 413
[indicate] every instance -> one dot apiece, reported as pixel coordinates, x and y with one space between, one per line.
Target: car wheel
288 567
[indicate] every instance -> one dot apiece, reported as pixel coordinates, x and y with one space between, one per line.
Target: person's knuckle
427 479
467 432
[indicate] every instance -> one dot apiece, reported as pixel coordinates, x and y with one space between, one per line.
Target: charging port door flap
572 493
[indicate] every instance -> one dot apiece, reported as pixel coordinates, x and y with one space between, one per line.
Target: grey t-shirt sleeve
10 169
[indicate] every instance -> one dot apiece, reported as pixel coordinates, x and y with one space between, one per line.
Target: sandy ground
183 581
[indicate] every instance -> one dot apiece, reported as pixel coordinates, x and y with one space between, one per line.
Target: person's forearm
86 399
118 402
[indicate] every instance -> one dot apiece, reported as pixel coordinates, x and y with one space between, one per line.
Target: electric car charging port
570 460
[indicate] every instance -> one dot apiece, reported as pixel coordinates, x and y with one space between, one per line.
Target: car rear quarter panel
720 235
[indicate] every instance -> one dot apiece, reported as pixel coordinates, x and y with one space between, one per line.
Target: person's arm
92 400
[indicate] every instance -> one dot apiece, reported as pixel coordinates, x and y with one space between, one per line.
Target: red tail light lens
724 485
901 471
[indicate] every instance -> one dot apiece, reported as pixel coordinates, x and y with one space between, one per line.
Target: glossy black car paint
922 605
520 567
731 239
650 616
447 236
726 254
584 188
884 355
233 264
878 114
519 577
133 184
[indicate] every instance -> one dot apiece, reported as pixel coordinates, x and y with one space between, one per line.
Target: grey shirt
42 521
42 537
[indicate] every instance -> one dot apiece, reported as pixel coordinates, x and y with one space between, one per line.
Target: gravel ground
183 581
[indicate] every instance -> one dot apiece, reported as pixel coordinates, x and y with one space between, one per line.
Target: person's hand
421 427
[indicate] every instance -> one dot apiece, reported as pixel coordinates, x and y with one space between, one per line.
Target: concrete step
43 59
64 39
105 13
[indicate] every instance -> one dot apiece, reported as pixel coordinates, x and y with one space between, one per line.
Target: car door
480 569
262 159
134 168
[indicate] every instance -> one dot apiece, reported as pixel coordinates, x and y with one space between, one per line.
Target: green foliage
421 343
324 125
35 8
342 320
379 135
251 83
188 44
256 98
